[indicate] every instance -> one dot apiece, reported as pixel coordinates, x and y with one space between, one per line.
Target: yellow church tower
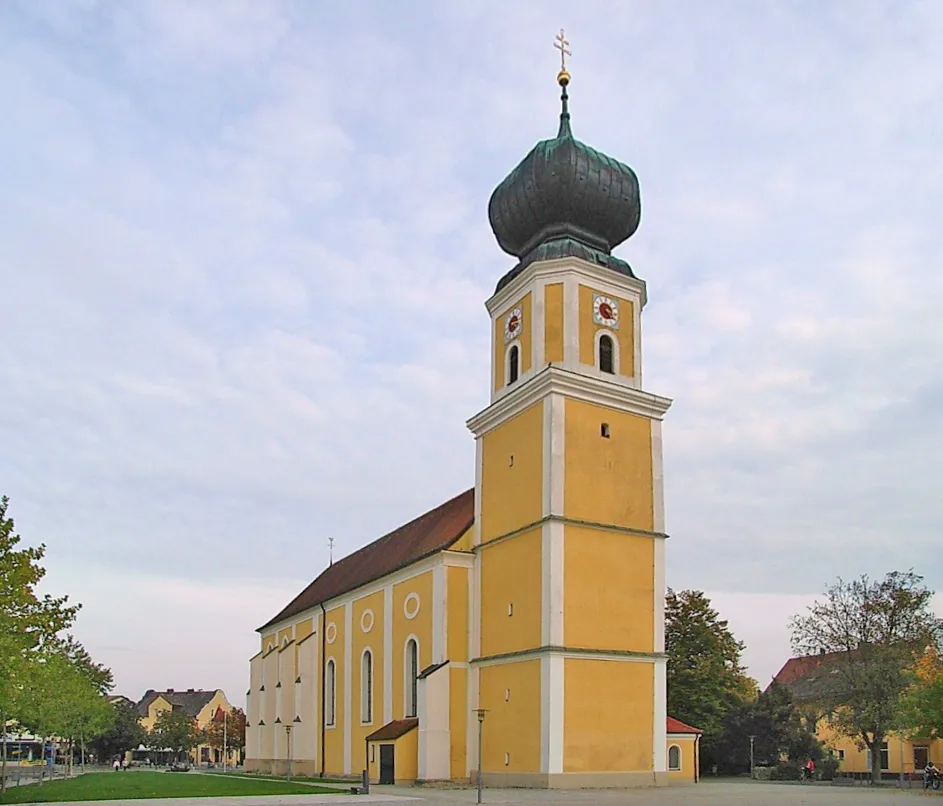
567 621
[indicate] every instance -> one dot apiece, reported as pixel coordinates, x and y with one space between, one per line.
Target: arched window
514 360
329 693
366 686
412 676
606 359
674 757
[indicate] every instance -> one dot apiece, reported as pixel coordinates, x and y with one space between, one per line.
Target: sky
244 255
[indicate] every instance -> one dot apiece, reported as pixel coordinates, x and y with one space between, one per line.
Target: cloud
245 255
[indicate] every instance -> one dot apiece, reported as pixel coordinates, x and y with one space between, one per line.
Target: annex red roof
393 730
429 533
677 726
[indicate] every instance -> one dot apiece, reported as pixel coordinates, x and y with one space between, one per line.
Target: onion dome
565 199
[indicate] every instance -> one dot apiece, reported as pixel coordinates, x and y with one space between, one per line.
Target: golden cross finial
563 45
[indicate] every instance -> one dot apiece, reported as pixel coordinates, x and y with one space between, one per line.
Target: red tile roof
677 726
393 730
430 533
796 669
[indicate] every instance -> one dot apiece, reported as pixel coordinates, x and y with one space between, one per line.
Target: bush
786 771
827 767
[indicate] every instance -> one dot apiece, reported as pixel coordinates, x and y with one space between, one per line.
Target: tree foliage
230 731
706 679
871 631
126 732
177 731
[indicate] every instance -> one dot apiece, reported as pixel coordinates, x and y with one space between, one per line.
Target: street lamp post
751 758
288 763
225 737
480 712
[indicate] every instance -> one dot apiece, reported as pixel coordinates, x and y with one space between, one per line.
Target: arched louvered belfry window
606 357
514 364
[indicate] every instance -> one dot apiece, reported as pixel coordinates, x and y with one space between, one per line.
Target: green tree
779 729
177 731
126 732
873 630
706 679
227 733
27 621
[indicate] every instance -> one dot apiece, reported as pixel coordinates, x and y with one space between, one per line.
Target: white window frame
615 350
680 757
330 693
410 687
366 687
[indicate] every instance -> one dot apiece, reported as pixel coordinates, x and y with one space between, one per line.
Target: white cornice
601 278
556 380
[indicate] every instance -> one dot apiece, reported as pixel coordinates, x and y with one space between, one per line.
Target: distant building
202 706
811 679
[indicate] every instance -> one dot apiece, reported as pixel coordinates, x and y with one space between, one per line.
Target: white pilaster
571 323
348 677
637 342
551 713
439 610
658 506
387 654
476 530
538 333
660 706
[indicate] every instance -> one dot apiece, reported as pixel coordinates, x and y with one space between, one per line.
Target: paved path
704 794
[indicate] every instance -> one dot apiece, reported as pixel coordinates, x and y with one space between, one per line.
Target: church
517 628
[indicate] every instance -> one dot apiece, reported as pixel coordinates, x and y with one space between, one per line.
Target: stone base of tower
573 780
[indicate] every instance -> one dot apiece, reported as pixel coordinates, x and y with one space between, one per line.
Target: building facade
203 706
534 600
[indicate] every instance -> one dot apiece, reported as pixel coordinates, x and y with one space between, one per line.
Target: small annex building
534 600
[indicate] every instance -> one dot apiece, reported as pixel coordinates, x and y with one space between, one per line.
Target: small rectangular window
604 430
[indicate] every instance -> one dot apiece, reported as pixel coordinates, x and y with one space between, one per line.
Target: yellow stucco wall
685 743
420 626
511 575
512 724
268 642
360 641
525 339
464 543
855 759
458 720
303 629
457 617
608 480
624 334
553 322
512 492
611 732
334 736
620 613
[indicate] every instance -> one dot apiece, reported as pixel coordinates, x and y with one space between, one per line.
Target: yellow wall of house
611 732
283 635
457 616
334 736
855 759
511 575
512 491
624 334
360 641
512 724
405 758
303 629
420 626
465 542
157 705
685 743
608 480
620 613
553 323
458 716
525 339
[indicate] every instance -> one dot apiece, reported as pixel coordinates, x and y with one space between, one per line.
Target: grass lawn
265 777
134 785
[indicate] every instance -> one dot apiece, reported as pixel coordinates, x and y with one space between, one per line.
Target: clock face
513 324
605 311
